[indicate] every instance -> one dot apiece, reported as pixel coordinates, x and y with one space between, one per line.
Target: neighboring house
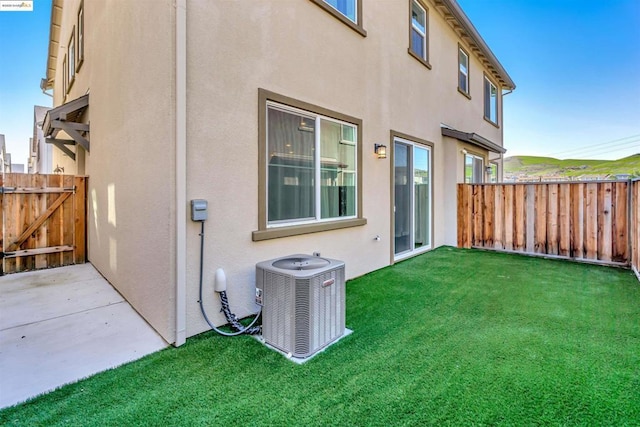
5 158
40 160
248 104
17 168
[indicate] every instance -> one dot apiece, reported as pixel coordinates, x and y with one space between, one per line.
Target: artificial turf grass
454 337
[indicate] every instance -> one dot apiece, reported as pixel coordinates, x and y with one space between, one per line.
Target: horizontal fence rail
43 219
586 221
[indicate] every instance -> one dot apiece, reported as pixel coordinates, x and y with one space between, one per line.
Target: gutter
181 171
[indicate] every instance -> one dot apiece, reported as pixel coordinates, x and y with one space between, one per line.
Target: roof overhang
54 44
458 20
66 118
473 138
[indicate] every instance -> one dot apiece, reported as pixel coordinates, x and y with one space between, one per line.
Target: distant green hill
548 166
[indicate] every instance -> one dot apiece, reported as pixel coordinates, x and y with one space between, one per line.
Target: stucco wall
128 72
296 49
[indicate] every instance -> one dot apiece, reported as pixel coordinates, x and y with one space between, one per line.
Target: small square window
463 71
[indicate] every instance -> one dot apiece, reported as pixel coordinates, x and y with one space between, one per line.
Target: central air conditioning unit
303 299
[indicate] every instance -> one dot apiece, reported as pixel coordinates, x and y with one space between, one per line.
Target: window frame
423 60
356 26
466 93
475 157
65 76
268 231
80 37
424 144
71 59
487 101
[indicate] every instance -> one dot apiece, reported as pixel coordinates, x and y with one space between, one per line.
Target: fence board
498 200
35 232
508 218
564 220
540 215
589 221
634 225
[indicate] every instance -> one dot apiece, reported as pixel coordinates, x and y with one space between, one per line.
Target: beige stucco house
272 111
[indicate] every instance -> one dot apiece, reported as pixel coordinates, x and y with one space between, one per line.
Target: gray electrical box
198 210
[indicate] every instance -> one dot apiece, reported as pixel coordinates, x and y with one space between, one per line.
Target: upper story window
347 11
310 172
418 37
473 169
80 53
463 72
71 58
65 77
490 101
346 7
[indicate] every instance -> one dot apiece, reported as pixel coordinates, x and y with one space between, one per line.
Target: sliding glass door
412 198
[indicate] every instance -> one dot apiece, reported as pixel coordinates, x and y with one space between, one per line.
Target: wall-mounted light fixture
488 169
380 150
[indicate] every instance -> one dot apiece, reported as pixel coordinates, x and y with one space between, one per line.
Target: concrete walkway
61 325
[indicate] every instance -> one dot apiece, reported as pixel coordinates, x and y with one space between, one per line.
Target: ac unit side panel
278 311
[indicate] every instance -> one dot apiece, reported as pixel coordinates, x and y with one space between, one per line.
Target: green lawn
452 337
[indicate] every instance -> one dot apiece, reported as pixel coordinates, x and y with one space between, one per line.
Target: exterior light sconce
488 169
380 150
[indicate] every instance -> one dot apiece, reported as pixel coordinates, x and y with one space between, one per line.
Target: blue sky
576 64
24 38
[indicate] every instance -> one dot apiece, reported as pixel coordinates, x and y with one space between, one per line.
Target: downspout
181 171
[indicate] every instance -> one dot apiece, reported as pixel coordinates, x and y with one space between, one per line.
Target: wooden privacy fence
635 227
590 221
43 221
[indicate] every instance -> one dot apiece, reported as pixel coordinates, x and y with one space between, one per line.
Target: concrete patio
61 325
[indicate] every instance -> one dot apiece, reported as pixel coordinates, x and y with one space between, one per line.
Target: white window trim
460 71
497 104
317 170
413 252
475 157
424 56
355 10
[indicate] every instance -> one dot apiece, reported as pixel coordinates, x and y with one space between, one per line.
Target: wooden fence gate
43 221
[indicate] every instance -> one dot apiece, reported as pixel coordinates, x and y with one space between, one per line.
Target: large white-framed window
490 101
309 168
473 169
412 196
418 32
463 72
347 11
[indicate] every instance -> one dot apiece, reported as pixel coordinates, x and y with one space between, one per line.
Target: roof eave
472 33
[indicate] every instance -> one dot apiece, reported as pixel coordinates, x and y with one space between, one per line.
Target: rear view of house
338 127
